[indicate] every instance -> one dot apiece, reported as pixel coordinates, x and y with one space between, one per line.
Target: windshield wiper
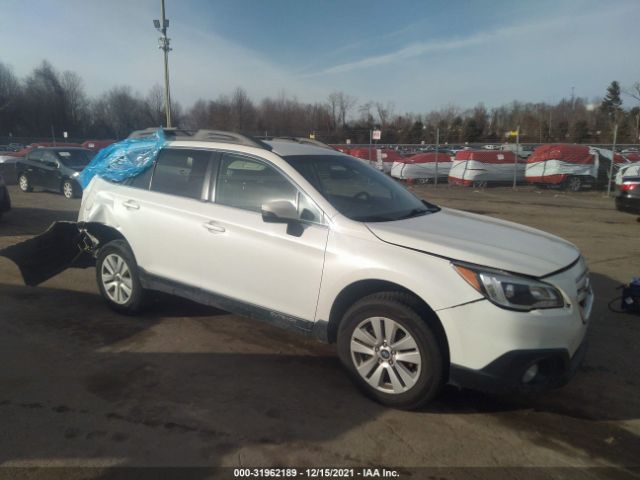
416 212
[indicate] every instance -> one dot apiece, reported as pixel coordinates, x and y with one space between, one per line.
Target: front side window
75 159
181 172
248 184
357 190
49 158
35 155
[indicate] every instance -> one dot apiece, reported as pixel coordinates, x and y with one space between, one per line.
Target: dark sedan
628 195
53 168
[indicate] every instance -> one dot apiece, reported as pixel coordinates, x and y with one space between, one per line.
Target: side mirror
279 211
53 164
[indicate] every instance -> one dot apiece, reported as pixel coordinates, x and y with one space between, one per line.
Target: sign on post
377 135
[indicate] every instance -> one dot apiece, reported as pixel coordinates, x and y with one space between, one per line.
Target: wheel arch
103 233
357 290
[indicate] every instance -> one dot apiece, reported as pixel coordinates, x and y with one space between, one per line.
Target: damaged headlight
511 291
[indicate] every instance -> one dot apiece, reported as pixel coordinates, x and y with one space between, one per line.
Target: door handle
214 227
131 205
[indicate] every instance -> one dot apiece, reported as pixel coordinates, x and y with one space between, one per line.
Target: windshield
75 158
357 190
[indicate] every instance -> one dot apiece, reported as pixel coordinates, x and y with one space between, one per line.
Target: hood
480 240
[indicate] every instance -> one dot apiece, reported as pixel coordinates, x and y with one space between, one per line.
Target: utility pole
164 45
515 165
435 181
613 157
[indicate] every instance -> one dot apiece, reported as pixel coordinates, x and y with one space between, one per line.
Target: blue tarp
124 159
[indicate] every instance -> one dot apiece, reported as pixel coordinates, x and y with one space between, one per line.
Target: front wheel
390 351
69 188
118 279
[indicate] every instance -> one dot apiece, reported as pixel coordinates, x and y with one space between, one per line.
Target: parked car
322 243
5 200
628 195
53 168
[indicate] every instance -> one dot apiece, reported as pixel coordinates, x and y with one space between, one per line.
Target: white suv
307 238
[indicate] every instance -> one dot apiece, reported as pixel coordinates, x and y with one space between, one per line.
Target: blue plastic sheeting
124 159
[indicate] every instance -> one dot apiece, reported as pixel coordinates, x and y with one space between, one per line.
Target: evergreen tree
612 103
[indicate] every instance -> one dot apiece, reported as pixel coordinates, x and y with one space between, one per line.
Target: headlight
511 291
76 174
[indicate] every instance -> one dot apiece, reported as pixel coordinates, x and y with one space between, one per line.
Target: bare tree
155 105
384 113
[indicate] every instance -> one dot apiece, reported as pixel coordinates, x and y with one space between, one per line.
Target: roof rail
302 140
229 137
203 135
169 133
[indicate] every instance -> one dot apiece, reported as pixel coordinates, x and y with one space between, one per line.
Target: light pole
163 44
613 157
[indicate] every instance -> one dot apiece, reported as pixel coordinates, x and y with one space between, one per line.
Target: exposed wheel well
352 293
103 233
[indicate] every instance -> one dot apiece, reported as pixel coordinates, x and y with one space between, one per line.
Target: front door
268 265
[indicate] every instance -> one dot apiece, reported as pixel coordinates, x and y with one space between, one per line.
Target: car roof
286 148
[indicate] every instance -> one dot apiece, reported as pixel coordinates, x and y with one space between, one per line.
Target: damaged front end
64 245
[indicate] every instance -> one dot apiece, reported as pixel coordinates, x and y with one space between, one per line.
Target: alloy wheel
116 279
67 189
385 355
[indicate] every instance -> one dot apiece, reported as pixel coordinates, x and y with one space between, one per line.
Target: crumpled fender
63 245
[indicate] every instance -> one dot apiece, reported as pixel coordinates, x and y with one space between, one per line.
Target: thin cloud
436 46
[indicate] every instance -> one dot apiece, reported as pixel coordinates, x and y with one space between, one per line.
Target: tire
118 278
573 184
24 184
480 184
69 188
406 383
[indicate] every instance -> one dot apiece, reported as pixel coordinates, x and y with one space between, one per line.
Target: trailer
484 167
422 167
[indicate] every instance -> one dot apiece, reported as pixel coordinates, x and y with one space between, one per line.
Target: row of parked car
50 166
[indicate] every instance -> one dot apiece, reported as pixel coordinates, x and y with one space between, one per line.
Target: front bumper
491 348
505 374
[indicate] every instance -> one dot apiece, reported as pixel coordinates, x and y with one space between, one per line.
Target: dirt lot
186 385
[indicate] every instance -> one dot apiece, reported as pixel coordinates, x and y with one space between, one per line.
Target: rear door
161 214
31 166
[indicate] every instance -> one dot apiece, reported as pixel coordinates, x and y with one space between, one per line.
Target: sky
417 55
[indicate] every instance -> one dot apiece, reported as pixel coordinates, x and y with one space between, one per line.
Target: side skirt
299 325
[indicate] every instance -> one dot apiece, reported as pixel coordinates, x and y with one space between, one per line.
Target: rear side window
35 155
141 180
181 172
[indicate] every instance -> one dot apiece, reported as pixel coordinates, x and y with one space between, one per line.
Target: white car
414 295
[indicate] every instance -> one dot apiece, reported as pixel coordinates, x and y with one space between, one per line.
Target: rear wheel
390 351
24 184
118 279
573 184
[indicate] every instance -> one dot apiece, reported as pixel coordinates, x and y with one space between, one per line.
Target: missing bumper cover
63 245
